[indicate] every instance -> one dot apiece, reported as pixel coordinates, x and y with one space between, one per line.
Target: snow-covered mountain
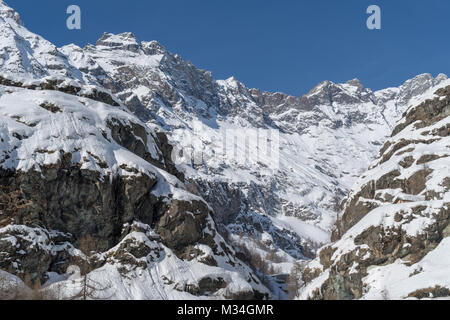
157 161
85 183
327 138
392 239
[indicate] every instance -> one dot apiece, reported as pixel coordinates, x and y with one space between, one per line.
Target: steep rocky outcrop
392 238
95 181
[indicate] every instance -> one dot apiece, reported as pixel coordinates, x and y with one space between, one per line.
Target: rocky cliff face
392 238
78 169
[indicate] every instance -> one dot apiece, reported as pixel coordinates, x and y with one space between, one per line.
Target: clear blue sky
275 45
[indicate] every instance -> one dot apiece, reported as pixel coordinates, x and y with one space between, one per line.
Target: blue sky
274 45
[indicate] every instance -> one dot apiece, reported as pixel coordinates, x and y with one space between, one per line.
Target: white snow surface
33 136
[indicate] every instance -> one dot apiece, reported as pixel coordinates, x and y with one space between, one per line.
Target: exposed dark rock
431 111
436 292
58 85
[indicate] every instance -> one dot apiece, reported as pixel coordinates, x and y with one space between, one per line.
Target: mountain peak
323 86
419 84
7 12
355 83
441 77
231 82
425 77
124 41
153 47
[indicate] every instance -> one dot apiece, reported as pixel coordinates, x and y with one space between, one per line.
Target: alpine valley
95 204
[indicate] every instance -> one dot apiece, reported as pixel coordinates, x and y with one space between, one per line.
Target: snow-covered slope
392 238
166 155
327 138
76 164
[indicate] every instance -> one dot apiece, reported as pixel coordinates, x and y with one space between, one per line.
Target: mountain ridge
211 213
